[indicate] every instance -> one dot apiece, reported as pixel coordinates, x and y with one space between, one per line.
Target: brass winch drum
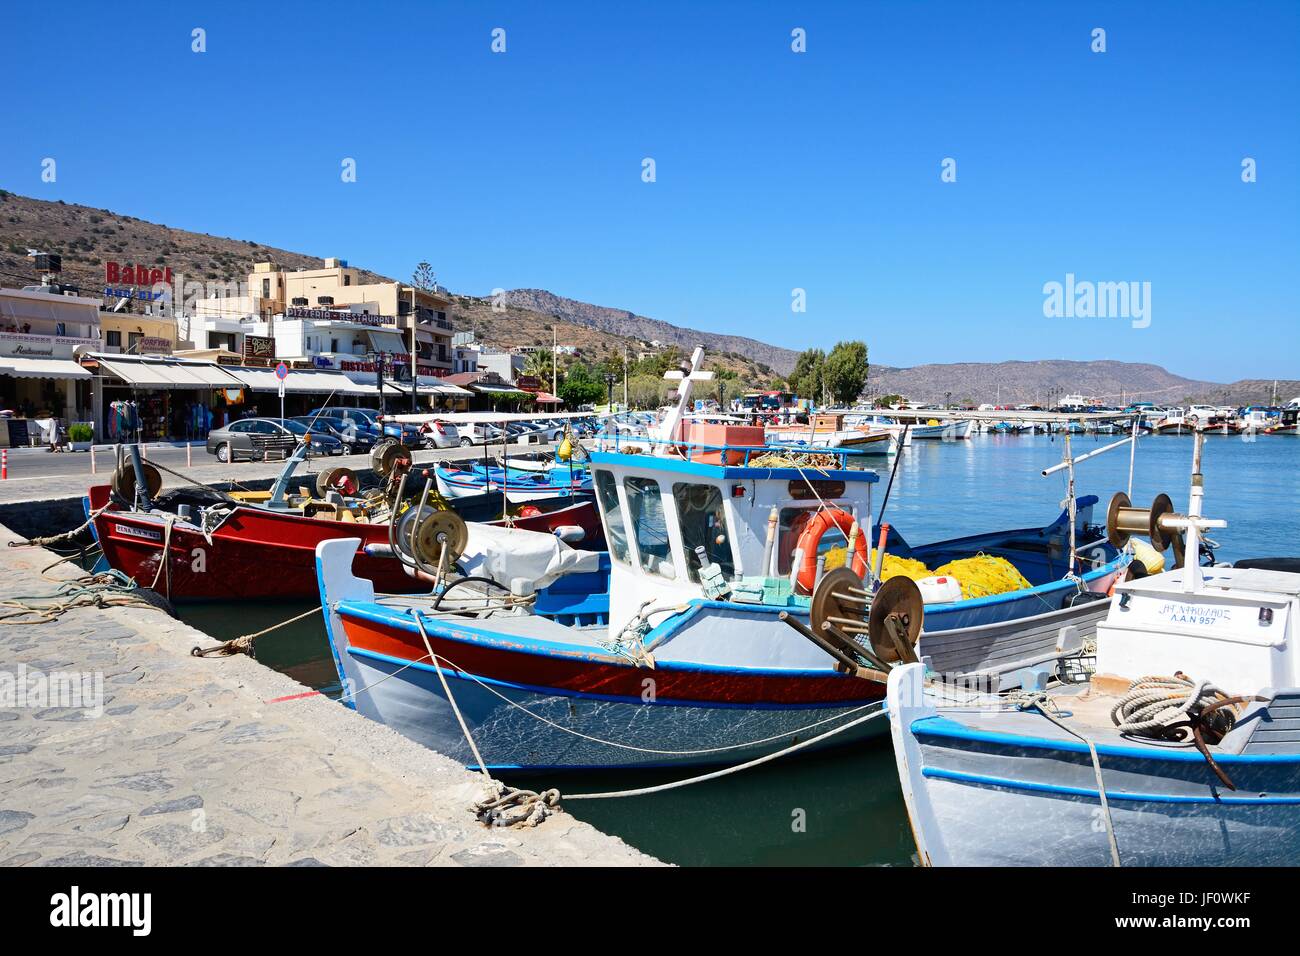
434 531
386 456
1123 521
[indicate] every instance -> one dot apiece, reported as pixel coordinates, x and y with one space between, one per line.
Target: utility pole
555 360
625 403
415 369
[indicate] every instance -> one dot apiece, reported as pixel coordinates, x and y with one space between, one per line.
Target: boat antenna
898 456
687 376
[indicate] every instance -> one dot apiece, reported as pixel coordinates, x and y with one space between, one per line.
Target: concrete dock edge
202 762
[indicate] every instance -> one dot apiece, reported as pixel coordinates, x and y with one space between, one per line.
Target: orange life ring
811 537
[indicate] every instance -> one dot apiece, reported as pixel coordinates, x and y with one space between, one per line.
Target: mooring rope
515 807
244 643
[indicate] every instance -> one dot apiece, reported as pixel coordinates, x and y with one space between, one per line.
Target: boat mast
673 420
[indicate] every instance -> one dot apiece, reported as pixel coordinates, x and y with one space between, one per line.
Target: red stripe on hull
612 679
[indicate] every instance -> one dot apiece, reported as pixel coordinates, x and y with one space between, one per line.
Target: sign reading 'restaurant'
338 315
132 274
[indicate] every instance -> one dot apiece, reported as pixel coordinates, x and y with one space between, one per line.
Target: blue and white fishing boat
1178 745
519 486
694 639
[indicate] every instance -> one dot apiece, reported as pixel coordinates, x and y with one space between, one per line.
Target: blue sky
775 170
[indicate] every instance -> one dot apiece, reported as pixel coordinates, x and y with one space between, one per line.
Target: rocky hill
1023 382
625 323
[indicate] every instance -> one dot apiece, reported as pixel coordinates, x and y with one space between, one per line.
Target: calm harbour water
844 808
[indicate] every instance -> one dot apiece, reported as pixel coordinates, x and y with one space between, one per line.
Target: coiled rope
1163 707
1179 710
109 589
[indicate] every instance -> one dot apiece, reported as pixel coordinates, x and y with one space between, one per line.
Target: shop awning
363 383
147 373
21 367
497 389
298 381
432 383
546 398
389 342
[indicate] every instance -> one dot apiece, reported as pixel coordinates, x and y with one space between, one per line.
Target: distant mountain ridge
627 323
1015 383
87 237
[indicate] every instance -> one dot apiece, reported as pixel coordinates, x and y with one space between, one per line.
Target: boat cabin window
792 522
607 492
703 522
645 507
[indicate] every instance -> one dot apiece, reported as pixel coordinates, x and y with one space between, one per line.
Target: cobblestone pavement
193 761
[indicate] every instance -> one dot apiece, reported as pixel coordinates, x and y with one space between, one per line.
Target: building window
113 339
266 288
132 340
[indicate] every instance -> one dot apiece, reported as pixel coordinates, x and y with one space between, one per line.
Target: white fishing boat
712 631
1175 743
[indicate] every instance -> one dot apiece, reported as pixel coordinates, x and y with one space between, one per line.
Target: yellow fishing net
980 576
983 575
893 566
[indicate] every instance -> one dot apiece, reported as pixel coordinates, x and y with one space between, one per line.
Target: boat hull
254 554
1018 793
262 554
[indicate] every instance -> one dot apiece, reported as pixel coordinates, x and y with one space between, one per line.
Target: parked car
252 438
479 433
355 441
438 434
367 419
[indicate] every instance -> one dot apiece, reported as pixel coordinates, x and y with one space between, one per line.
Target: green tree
845 371
580 387
538 364
424 278
646 391
808 376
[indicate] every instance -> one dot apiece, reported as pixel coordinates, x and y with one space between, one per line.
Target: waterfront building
41 329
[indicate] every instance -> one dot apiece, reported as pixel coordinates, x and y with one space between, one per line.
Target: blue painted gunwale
728 472
980 779
939 726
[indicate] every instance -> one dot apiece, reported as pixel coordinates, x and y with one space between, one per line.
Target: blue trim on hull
944 727
979 779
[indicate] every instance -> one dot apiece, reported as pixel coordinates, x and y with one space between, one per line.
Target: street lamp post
610 378
378 358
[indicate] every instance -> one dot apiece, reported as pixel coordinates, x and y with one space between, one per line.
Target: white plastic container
939 589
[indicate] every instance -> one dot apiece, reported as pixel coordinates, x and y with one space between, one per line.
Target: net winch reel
1160 524
123 480
341 479
390 457
431 541
854 626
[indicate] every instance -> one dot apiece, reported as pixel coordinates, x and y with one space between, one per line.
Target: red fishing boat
263 545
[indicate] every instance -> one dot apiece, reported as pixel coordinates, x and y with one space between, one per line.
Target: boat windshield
645 507
703 521
607 491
